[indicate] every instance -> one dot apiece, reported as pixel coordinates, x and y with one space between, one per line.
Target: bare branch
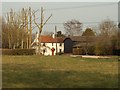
34 27
47 20
35 21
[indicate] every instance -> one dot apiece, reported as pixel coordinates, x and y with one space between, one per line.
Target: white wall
49 46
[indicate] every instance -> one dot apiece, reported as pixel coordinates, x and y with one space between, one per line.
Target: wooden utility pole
40 27
56 38
30 34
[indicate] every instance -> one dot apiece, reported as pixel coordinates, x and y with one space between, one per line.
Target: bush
18 51
116 52
91 50
59 53
6 51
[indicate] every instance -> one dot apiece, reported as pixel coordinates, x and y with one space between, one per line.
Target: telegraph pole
30 34
56 38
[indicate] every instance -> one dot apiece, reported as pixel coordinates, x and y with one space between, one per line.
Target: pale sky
90 16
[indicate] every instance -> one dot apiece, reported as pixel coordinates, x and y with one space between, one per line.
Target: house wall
49 46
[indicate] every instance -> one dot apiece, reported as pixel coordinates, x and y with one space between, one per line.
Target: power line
80 6
70 23
84 6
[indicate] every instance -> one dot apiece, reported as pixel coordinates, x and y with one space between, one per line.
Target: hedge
116 52
18 51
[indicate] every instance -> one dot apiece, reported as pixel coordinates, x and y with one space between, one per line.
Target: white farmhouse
50 45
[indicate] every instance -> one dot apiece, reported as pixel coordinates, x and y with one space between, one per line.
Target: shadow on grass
58 79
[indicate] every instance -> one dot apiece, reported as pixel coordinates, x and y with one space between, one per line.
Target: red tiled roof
50 39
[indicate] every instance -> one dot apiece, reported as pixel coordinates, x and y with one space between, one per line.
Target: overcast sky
89 15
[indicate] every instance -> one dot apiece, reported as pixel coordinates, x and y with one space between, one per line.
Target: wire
79 7
63 23
84 6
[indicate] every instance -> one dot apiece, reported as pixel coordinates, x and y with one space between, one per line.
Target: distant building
76 44
50 45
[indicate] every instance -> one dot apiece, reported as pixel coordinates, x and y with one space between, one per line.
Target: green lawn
59 72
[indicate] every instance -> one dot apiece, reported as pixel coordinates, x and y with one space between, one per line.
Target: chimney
53 35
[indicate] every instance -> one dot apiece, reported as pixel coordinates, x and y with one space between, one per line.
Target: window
60 44
52 44
43 44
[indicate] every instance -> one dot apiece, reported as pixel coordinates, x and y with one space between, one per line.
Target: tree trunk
22 44
39 50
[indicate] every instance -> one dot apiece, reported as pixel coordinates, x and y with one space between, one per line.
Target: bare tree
108 28
73 27
89 36
40 27
106 40
17 26
4 34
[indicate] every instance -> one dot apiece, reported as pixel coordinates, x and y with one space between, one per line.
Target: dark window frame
52 44
60 44
44 44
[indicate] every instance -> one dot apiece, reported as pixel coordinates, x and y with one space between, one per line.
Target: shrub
91 50
116 52
6 51
59 53
18 51
103 48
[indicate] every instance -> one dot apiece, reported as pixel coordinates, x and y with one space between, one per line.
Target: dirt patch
88 56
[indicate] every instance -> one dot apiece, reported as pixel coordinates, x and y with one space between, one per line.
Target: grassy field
59 72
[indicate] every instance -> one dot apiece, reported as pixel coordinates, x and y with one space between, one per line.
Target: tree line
17 31
106 39
17 28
